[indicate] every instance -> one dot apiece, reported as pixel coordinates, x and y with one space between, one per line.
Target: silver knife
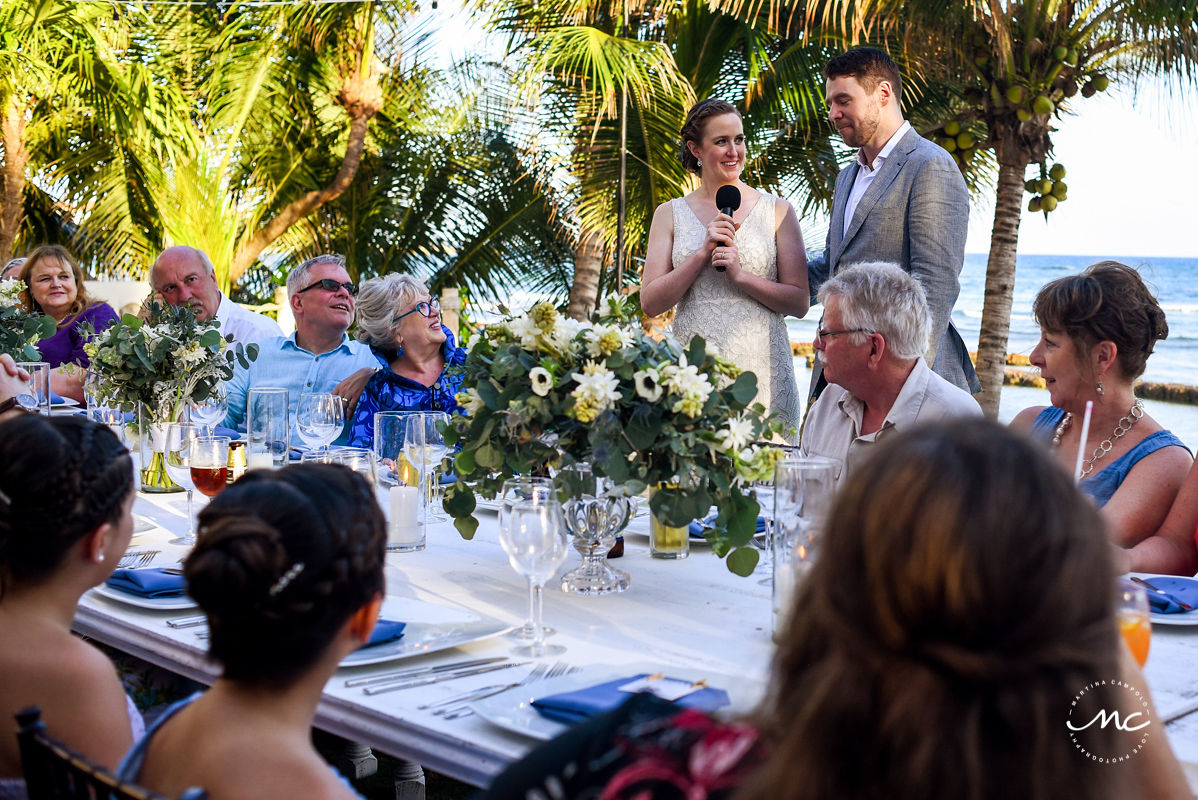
411 684
187 622
420 671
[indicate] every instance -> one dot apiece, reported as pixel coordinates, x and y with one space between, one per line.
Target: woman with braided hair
66 490
933 652
288 568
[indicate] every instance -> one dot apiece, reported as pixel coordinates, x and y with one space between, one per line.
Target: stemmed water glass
424 447
177 456
514 492
533 534
319 419
211 411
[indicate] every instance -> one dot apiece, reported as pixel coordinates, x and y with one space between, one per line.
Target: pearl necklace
1104 447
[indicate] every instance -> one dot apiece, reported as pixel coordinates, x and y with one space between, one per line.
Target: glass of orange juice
1134 623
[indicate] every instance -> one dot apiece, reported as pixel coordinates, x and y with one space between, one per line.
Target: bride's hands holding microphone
721 246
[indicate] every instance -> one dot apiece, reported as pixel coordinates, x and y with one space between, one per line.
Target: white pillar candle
404 525
260 459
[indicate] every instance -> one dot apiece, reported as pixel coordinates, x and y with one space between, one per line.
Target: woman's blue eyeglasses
425 307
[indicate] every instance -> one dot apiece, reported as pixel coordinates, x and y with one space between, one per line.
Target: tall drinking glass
210 464
177 456
401 482
359 459
534 538
99 411
803 489
1135 622
319 419
268 428
209 412
39 383
424 447
516 491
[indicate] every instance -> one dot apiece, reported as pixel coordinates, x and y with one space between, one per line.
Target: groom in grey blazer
901 200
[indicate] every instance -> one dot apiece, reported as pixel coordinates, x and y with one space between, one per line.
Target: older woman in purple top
54 287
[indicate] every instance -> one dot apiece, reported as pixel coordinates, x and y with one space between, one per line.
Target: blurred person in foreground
288 568
871 342
935 651
66 498
1097 330
184 276
401 323
54 287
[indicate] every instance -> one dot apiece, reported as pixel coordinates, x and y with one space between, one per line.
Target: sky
1131 157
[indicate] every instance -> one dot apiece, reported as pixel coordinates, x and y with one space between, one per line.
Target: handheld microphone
727 200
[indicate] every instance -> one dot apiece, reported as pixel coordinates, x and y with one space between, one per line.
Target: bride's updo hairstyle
60 479
962 598
282 560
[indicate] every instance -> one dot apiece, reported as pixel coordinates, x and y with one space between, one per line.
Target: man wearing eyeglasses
184 276
319 357
871 343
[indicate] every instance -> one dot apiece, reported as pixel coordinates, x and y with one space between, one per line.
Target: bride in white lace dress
760 248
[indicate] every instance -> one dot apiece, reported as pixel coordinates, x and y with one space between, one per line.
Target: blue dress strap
1102 487
1045 423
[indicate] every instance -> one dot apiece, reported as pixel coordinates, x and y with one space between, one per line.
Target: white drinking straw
1081 446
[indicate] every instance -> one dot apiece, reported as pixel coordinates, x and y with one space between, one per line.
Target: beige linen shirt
833 426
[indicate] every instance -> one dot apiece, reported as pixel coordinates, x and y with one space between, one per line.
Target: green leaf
489 456
464 462
466 526
744 389
459 500
696 351
742 561
210 338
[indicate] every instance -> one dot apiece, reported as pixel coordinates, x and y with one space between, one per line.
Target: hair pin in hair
5 501
287 578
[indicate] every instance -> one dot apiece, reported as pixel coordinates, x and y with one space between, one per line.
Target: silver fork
464 710
137 558
456 703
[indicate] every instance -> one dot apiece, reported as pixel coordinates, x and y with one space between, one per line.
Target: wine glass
515 491
211 411
210 464
424 447
177 456
319 419
533 535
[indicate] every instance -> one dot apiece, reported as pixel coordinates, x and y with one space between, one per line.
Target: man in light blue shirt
319 356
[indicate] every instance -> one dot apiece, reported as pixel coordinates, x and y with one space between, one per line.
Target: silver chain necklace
1104 447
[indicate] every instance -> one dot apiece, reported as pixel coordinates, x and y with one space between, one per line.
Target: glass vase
595 512
151 443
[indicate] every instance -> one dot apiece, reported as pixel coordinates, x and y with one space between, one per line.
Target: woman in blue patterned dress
402 324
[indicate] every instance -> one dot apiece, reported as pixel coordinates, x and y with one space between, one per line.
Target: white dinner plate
142 524
512 710
430 627
65 402
154 603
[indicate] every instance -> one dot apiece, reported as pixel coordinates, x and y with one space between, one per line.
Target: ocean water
1174 281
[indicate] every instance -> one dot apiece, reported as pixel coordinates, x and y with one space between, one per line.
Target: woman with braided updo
66 490
288 568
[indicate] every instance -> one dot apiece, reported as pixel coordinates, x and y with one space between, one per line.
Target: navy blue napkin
232 433
700 525
152 582
385 631
581 704
56 399
1176 590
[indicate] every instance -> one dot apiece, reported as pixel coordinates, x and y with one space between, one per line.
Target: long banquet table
691 614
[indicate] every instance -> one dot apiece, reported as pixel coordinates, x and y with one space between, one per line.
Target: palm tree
579 61
68 102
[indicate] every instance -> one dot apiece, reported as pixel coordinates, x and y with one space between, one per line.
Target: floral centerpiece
159 366
20 330
542 391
